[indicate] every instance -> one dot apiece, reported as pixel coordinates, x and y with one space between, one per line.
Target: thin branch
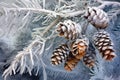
21 58
107 3
76 13
65 7
44 1
51 25
86 23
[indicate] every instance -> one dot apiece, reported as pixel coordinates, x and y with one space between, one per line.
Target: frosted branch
28 59
107 3
72 14
51 25
44 4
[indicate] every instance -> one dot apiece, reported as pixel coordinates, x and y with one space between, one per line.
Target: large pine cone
60 54
97 17
104 45
78 50
69 29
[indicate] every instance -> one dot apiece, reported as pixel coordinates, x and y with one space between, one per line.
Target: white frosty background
11 42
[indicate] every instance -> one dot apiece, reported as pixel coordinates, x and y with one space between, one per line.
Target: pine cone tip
110 57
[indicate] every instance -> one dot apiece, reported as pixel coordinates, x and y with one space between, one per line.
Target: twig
35 10
85 25
44 1
107 3
76 13
51 25
65 7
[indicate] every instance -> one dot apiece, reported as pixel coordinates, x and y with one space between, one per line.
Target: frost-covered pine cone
104 45
69 29
97 17
60 54
78 50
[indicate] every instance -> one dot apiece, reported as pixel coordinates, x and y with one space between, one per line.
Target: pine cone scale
104 45
69 29
60 54
71 63
78 50
97 17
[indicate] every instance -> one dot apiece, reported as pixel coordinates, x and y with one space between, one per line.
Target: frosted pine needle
26 60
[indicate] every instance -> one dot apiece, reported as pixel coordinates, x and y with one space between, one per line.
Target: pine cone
78 50
60 54
97 17
89 58
69 29
104 45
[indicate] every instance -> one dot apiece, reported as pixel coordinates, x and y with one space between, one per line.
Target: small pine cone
104 45
69 29
78 50
79 46
60 54
71 62
97 17
89 58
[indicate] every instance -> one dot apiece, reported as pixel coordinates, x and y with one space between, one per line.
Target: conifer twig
51 25
35 10
106 3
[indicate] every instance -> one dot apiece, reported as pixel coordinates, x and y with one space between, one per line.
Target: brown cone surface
78 50
60 54
89 60
90 57
104 45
